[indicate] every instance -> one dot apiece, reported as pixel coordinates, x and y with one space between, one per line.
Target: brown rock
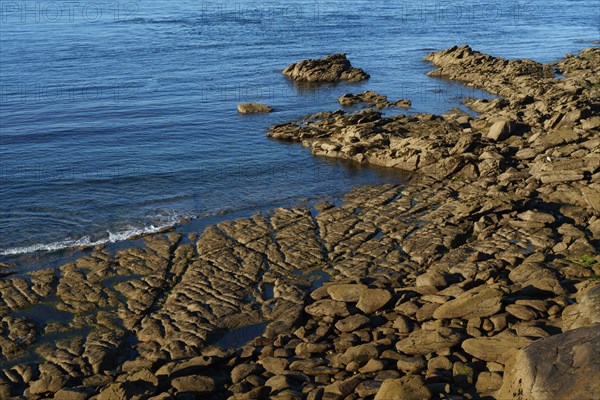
426 341
499 348
564 366
346 292
410 387
481 301
252 108
372 300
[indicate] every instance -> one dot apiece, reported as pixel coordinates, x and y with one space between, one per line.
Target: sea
118 118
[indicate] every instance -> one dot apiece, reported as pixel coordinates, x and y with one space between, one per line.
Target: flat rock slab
425 341
349 292
476 303
372 300
499 348
565 366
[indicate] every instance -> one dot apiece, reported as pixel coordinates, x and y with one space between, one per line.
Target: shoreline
437 288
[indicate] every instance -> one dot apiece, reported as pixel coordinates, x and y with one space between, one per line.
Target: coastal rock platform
452 286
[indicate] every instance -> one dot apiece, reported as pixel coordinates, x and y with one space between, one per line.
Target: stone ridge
467 280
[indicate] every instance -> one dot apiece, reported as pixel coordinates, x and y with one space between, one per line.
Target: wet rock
335 67
252 108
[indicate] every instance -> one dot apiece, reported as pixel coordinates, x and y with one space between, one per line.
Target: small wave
87 241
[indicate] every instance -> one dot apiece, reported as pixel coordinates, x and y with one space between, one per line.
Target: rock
278 382
498 349
403 325
352 323
327 307
403 103
344 387
431 278
478 302
521 312
536 279
275 365
335 67
251 108
73 394
372 366
241 371
51 380
425 341
564 366
488 382
372 300
360 354
585 313
196 383
367 388
411 364
346 292
463 374
407 388
502 130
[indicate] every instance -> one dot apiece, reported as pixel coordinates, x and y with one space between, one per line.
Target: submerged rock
251 108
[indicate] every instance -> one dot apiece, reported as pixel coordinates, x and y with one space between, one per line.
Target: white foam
86 241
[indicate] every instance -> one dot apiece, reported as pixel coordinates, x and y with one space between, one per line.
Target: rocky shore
479 279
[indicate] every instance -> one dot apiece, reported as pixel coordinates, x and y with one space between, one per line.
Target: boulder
410 387
333 68
564 366
502 130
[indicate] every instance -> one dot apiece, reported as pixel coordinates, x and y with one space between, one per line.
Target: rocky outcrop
371 98
333 68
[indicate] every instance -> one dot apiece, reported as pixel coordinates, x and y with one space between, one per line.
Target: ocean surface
118 118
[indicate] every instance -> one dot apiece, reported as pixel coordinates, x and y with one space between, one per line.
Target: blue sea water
118 118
